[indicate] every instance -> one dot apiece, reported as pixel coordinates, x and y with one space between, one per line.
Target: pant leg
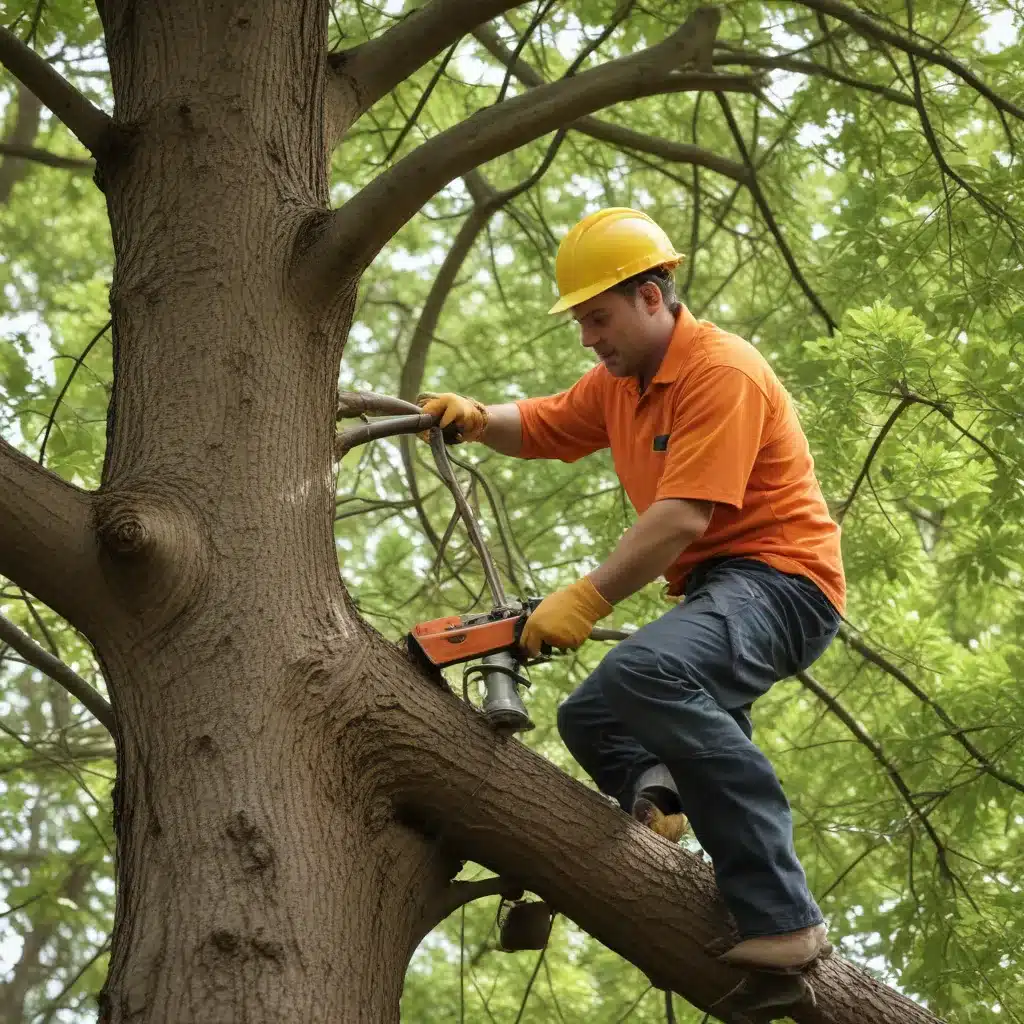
600 743
682 686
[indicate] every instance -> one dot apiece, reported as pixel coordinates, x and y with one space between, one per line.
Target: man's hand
565 618
467 414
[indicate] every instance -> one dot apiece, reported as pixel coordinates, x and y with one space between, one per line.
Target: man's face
619 329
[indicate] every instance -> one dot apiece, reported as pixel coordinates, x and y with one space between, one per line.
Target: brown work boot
789 951
669 826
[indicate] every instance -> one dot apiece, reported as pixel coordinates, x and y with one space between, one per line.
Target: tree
294 799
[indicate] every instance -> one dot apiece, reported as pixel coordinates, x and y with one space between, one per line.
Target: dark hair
661 276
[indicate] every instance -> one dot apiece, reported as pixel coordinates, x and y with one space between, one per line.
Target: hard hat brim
583 294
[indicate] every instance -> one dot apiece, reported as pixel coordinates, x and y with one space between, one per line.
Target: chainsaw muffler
503 707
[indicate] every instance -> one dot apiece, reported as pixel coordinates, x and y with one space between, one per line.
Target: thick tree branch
495 801
666 149
46 540
10 150
57 671
607 131
356 233
458 894
374 68
872 29
85 121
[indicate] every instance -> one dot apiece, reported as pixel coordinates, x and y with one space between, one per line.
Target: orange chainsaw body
454 639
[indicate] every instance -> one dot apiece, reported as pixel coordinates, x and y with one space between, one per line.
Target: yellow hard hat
605 248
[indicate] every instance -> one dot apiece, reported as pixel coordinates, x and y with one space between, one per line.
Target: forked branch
355 233
607 131
870 28
90 125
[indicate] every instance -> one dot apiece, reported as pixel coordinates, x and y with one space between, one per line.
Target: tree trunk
257 879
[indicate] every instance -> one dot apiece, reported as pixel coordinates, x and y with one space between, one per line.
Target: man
709 450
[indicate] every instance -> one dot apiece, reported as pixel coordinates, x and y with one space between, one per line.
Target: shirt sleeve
565 426
716 435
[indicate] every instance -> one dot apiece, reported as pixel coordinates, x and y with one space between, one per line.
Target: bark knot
254 849
226 941
123 532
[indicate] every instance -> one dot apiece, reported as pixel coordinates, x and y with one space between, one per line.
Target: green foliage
922 274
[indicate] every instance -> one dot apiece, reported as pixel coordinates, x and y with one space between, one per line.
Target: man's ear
652 297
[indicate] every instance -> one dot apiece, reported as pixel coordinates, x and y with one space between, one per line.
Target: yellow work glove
565 618
468 415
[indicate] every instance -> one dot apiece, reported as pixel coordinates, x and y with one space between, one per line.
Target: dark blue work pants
678 692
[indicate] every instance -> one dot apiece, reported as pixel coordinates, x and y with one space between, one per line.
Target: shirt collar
678 347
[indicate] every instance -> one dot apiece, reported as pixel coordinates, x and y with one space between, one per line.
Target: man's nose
589 337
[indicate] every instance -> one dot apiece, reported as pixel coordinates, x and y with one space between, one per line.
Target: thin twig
79 360
769 218
844 506
413 118
851 723
851 639
56 670
44 156
869 27
45 1016
377 66
536 971
543 7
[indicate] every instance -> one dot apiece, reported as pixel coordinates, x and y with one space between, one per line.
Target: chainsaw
491 638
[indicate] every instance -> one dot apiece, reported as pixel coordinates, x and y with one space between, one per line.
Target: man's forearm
650 546
504 432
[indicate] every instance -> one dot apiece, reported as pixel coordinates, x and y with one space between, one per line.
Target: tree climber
708 447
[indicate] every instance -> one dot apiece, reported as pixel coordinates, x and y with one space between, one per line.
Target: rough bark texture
292 797
256 882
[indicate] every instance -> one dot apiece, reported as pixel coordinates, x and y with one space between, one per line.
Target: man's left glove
565 618
467 416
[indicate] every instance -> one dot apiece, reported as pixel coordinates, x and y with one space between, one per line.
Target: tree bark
258 879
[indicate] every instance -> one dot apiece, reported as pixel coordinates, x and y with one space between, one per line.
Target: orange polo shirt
714 424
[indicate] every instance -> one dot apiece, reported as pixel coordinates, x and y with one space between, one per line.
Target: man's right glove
565 618
467 414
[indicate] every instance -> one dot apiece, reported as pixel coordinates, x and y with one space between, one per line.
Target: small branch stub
125 534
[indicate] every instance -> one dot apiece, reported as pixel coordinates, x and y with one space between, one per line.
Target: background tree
293 798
